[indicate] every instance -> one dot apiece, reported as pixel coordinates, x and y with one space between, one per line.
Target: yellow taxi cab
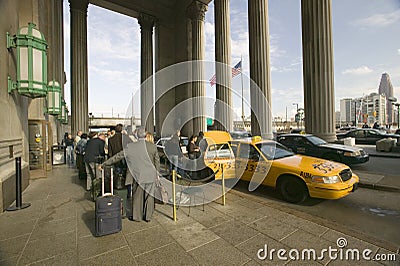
266 162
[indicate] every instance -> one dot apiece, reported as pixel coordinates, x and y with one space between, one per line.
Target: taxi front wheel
292 189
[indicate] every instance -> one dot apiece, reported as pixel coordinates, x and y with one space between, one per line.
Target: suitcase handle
102 182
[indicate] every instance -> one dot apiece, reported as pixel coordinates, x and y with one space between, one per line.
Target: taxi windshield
274 150
316 141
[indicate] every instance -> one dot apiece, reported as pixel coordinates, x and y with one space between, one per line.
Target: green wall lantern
54 103
65 120
31 62
64 112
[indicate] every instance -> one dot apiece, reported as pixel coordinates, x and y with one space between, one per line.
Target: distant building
374 108
347 111
386 88
367 109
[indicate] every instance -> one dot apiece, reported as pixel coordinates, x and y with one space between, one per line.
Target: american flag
236 70
213 80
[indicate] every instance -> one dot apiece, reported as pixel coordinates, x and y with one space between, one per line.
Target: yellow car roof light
256 139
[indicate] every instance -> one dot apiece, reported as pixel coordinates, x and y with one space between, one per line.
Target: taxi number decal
252 168
324 167
305 175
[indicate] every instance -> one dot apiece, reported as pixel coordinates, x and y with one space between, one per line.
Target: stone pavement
58 230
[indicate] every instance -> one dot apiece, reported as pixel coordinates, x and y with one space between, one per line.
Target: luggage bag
108 211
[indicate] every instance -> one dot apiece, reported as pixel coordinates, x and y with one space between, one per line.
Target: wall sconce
64 113
31 62
65 120
54 103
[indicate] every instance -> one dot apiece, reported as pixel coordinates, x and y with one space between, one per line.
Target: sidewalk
371 150
58 230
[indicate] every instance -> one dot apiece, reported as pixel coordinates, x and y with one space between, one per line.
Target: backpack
81 146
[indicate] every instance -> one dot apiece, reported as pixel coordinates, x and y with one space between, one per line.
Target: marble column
223 65
146 23
56 55
319 98
197 13
260 87
79 66
58 41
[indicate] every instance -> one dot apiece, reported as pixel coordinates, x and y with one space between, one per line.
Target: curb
379 187
384 155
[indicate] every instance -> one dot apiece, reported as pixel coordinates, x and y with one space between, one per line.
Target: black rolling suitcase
108 211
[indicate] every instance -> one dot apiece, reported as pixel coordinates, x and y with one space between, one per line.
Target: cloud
105 40
358 71
283 98
398 51
379 20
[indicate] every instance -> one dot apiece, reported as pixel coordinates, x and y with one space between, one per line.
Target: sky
366 43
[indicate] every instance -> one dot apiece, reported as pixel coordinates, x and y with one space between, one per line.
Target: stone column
55 69
260 87
79 66
319 99
197 12
223 65
59 41
146 23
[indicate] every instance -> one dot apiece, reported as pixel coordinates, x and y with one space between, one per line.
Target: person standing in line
80 153
120 168
201 142
144 166
94 150
192 149
115 142
76 140
173 150
69 145
149 137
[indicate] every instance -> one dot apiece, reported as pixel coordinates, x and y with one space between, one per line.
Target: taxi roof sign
256 138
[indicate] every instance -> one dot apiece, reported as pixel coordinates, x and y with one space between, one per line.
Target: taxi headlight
326 179
352 154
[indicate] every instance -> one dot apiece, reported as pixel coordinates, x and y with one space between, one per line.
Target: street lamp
296 117
398 114
90 120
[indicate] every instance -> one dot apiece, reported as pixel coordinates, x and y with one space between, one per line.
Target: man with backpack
94 151
80 153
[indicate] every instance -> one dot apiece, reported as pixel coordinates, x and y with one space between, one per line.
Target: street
379 165
370 212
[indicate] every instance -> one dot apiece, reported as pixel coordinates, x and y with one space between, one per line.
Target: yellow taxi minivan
266 162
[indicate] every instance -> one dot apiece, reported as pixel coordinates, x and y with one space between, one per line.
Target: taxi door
246 161
220 157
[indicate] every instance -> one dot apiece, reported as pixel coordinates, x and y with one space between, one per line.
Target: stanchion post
174 194
223 184
18 188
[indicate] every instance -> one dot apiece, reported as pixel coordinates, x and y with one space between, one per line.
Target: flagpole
241 77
